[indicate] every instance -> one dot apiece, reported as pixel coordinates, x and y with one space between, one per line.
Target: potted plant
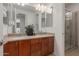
29 30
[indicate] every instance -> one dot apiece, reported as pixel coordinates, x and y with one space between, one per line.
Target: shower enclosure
70 31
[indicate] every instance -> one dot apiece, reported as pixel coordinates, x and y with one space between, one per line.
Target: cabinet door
36 47
24 48
51 44
11 49
45 46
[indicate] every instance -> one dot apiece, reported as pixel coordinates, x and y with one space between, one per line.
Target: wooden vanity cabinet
10 49
17 48
24 48
45 46
30 47
36 47
51 45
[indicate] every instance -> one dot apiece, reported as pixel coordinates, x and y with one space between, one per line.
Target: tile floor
74 52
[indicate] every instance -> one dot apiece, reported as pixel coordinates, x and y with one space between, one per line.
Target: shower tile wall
70 32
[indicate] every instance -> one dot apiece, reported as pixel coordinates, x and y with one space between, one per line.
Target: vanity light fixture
43 8
39 7
22 4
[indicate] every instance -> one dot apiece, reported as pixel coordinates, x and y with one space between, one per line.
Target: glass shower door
70 31
68 35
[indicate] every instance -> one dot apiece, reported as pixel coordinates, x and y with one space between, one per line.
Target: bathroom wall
59 28
72 7
1 28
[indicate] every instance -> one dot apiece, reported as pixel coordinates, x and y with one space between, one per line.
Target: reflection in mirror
43 20
5 19
19 16
20 23
48 20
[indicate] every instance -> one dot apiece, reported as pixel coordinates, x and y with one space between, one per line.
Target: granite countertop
24 37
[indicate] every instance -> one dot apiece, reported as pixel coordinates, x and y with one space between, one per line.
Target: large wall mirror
46 20
19 16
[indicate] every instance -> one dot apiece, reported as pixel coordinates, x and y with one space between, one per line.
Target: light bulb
43 8
22 4
18 3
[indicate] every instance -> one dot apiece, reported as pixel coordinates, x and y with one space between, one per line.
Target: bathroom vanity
37 45
18 17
